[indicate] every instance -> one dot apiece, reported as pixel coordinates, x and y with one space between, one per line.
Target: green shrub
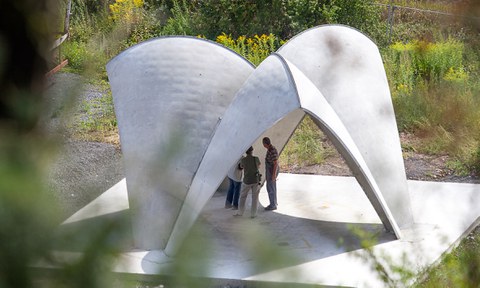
434 60
436 96
76 54
146 29
85 23
411 63
180 23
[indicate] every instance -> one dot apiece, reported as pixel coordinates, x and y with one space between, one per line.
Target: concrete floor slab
313 237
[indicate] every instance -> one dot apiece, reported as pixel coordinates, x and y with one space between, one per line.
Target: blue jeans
233 193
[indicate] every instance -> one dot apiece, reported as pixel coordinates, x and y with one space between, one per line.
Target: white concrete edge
113 200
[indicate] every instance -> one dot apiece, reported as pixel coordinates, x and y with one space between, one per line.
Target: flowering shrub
255 48
419 60
125 10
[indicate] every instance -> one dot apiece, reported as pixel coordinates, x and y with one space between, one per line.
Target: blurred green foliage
29 213
460 268
433 69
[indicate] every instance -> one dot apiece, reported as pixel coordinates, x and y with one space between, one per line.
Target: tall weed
85 24
125 10
434 60
97 37
420 60
306 147
436 96
180 23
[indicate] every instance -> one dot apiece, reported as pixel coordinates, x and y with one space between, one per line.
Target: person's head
250 150
266 142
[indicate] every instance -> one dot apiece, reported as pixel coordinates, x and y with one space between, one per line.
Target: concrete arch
347 68
258 96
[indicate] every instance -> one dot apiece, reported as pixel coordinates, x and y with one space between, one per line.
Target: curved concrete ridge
347 68
169 94
313 103
254 110
258 96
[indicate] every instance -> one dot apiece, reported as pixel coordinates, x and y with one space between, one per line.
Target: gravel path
82 170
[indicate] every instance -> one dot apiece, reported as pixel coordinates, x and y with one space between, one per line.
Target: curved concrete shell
169 95
347 68
204 105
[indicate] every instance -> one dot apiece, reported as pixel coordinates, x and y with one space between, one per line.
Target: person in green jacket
251 180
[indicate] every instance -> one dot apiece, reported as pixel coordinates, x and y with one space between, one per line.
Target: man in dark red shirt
271 172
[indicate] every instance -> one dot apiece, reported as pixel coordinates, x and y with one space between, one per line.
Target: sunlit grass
435 96
95 120
307 146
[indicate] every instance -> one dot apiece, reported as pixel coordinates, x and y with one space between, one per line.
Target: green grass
307 146
435 96
95 120
460 268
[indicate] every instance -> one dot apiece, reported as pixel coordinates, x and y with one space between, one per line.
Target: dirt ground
417 166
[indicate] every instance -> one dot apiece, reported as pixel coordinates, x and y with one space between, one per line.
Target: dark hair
249 151
266 140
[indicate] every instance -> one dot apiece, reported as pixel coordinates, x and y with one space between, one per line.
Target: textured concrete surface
310 239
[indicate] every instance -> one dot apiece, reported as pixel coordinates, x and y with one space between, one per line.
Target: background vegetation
430 54
429 50
431 59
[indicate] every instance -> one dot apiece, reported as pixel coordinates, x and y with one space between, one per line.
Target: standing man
271 172
250 166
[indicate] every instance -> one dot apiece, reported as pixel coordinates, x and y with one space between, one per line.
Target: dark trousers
271 185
